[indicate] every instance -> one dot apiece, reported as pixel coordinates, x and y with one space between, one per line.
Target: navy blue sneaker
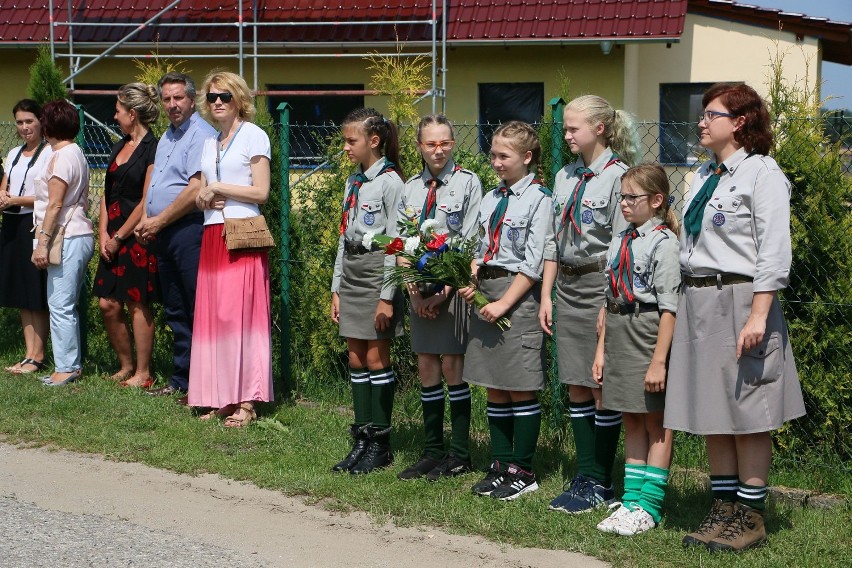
583 494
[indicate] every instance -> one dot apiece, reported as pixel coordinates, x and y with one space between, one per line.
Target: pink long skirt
231 358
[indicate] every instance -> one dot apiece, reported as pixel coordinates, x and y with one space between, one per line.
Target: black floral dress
132 274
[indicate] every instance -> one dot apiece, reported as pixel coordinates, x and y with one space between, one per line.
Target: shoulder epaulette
545 191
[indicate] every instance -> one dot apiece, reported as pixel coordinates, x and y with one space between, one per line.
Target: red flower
150 287
395 246
437 242
152 263
139 255
118 270
122 250
134 294
114 211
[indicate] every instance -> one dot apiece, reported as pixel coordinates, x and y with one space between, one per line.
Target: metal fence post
557 108
284 246
83 300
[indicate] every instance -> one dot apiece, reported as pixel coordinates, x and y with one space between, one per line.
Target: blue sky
837 79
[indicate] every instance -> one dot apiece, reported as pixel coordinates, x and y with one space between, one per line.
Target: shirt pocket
725 211
372 214
515 234
595 210
643 275
452 211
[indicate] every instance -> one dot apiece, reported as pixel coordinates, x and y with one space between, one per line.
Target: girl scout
585 217
451 196
368 312
514 225
643 279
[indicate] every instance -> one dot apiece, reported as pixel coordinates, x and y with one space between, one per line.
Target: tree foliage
45 78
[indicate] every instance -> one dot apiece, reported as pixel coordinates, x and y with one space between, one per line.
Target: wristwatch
118 238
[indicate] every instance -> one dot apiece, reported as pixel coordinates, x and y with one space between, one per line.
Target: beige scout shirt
375 212
746 225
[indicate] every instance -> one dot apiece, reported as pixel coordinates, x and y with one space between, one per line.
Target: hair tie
670 201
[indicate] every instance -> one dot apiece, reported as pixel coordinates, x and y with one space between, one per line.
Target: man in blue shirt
172 223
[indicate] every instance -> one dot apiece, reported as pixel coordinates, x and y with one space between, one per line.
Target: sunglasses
225 97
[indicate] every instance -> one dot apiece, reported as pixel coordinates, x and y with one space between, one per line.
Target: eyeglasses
444 145
225 97
709 115
630 198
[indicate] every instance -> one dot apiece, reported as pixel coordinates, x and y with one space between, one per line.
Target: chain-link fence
310 170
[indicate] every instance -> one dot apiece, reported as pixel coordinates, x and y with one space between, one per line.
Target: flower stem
481 301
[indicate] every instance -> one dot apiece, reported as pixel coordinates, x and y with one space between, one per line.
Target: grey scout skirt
629 344
578 302
711 392
508 360
444 335
359 292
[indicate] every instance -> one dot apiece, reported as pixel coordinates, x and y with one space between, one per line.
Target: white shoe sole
528 489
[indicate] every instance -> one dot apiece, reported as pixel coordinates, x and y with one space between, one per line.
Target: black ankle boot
378 454
359 446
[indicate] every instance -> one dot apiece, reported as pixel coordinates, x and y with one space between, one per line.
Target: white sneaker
635 522
607 525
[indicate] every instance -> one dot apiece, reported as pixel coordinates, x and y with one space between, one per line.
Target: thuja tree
45 78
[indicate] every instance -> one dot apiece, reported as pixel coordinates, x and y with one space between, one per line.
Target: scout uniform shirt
374 212
600 215
459 194
525 230
745 228
655 274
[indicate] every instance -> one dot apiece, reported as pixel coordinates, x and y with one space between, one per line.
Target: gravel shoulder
61 508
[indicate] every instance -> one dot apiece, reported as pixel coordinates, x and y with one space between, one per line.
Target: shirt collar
596 166
375 169
444 176
179 131
648 226
735 159
519 187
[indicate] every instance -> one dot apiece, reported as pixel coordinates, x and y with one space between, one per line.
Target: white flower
411 244
410 212
367 240
428 227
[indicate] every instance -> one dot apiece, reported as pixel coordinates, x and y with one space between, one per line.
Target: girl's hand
384 314
545 314
752 334
467 294
429 308
655 377
598 366
494 311
39 257
335 307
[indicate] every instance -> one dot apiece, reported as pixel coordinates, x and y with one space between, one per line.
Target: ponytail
620 130
373 123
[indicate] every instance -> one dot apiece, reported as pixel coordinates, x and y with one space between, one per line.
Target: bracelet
43 232
118 238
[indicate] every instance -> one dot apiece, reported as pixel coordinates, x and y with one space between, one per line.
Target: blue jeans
64 283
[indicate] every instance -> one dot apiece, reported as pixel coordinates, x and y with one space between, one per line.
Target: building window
680 105
313 118
502 102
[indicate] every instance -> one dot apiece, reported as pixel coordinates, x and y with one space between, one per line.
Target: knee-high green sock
583 425
654 491
724 487
460 420
432 399
527 415
361 396
752 495
634 478
382 387
607 432
501 425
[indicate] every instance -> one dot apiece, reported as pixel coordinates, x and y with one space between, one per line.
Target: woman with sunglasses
231 366
449 195
732 378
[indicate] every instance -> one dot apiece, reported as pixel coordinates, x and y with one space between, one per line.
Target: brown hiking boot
712 525
745 530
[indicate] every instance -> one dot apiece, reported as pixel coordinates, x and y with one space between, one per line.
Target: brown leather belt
634 308
717 280
357 248
492 272
596 265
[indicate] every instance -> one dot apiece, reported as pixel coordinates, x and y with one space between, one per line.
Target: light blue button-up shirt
178 158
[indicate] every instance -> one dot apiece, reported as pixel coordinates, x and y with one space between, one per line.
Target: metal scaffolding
78 61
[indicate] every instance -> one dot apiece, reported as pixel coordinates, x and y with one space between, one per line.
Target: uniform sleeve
667 274
551 246
771 224
391 193
471 208
540 231
613 210
338 266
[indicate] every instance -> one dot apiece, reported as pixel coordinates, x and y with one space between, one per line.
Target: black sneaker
450 466
493 478
420 468
515 483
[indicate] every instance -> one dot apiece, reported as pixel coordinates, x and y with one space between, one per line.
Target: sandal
39 366
225 411
233 421
16 367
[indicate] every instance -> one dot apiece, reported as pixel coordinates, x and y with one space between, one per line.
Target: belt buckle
612 307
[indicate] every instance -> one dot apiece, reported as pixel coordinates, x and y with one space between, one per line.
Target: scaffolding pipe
240 33
434 51
443 57
52 48
254 42
71 64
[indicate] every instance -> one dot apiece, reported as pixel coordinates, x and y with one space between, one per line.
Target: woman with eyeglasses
231 365
732 377
450 196
22 285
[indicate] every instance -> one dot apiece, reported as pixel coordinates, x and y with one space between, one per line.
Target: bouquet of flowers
431 258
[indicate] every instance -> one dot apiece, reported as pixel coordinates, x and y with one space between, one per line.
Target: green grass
291 448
